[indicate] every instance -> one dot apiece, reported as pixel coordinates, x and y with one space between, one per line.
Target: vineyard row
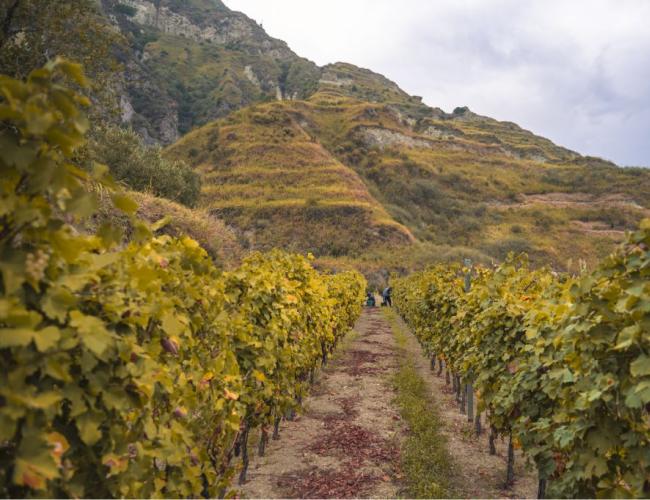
135 369
559 364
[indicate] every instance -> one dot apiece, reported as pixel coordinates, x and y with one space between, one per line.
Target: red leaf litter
343 439
348 482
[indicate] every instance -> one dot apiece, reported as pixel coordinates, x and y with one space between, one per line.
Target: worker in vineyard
386 296
370 300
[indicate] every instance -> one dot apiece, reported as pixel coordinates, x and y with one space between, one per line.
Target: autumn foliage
133 370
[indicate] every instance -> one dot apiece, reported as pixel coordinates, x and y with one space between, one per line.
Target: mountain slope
340 161
189 62
454 180
265 175
461 179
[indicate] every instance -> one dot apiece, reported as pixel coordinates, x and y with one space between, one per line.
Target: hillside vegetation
190 62
337 160
266 176
462 184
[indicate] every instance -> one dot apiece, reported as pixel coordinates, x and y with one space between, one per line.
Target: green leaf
56 303
74 71
172 325
7 427
88 425
35 464
640 366
627 336
595 466
44 400
93 333
14 337
166 220
46 338
13 275
643 391
633 400
125 203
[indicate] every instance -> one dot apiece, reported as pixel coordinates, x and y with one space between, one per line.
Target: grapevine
561 363
134 369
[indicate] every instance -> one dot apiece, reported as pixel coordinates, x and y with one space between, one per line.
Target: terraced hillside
461 183
263 174
342 162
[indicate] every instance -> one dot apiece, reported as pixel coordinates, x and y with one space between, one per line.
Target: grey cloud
576 72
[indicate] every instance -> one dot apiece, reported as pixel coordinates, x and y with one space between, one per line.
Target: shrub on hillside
142 167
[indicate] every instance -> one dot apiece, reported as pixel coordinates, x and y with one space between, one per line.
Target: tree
33 32
142 167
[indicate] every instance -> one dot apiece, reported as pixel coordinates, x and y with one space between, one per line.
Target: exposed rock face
439 132
331 78
193 61
383 138
167 21
169 128
229 27
402 117
435 133
250 74
126 109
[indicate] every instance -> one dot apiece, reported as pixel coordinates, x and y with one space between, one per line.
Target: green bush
127 10
142 167
559 364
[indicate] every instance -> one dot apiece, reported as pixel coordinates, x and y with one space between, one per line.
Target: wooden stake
510 470
244 456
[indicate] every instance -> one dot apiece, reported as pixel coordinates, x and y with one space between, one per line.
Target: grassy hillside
342 162
221 243
266 176
470 181
463 184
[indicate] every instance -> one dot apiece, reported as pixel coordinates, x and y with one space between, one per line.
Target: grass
425 459
264 174
213 235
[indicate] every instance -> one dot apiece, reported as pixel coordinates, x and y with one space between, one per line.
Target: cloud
576 72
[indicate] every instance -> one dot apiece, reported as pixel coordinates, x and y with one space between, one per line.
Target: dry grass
213 235
298 174
266 175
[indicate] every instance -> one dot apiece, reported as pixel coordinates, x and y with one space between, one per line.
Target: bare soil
599 228
346 444
573 200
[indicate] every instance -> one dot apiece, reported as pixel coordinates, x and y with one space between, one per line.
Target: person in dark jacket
370 300
386 296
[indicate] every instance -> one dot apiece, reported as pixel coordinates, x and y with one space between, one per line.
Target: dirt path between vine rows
477 474
346 442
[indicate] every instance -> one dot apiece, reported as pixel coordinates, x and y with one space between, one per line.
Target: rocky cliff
189 62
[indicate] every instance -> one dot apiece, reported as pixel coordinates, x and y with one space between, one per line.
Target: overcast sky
577 72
